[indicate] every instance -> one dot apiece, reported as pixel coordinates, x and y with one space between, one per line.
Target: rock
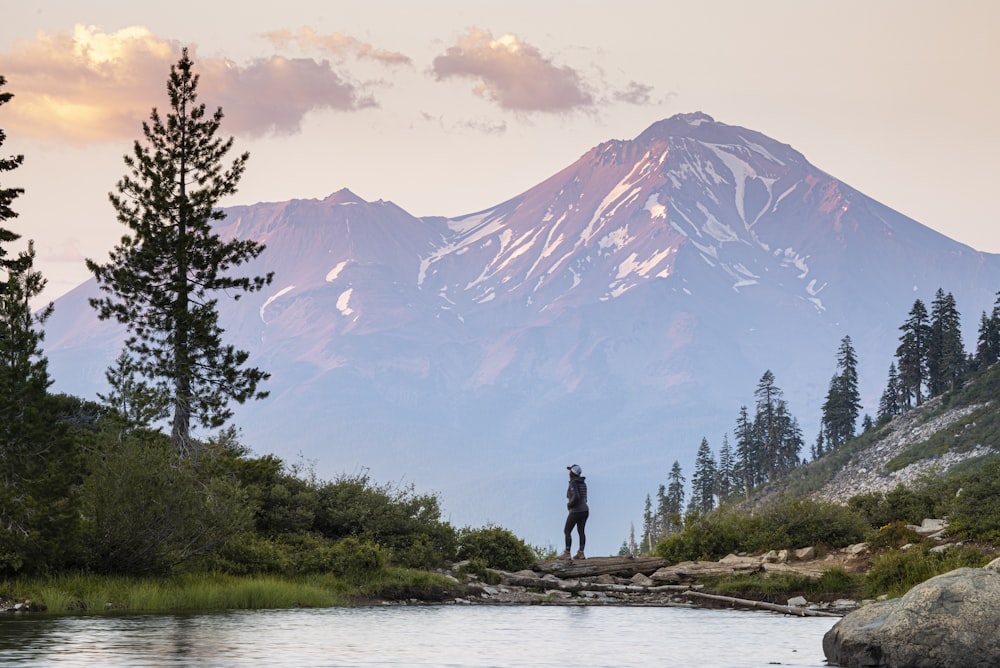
770 557
643 580
805 553
939 549
949 621
856 550
993 565
930 526
689 571
798 601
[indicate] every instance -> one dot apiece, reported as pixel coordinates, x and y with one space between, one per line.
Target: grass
184 593
833 583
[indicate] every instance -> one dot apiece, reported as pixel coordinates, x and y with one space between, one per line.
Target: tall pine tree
703 481
38 466
162 278
674 500
911 355
843 400
988 344
891 403
946 361
726 470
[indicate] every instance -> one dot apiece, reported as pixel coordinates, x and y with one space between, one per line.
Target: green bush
786 523
975 511
809 522
893 536
497 547
835 581
147 512
895 572
248 553
901 504
357 560
398 519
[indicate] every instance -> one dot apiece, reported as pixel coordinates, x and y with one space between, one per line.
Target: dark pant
578 519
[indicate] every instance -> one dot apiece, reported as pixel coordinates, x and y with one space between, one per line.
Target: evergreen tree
135 404
776 433
725 473
161 279
891 403
946 361
988 344
703 482
911 355
648 527
674 499
843 400
747 470
867 424
662 516
38 517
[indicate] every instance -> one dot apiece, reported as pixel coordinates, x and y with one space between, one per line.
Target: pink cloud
335 44
513 74
94 86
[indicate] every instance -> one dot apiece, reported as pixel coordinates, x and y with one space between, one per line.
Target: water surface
460 636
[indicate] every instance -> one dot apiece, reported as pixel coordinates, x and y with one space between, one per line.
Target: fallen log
580 585
594 566
760 605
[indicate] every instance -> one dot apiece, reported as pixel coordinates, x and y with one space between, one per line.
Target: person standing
579 511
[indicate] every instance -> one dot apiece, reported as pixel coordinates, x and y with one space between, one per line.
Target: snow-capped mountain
611 316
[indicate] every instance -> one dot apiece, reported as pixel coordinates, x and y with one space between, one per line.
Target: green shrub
146 511
893 536
809 522
248 554
478 567
786 523
408 524
975 511
834 581
497 547
903 504
895 572
356 560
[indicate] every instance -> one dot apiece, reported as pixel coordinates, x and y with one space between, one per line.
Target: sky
448 107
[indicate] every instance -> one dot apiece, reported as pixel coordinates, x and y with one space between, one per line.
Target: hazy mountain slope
611 316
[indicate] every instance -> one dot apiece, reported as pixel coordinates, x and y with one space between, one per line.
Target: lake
445 635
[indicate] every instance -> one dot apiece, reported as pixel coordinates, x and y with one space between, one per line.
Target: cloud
93 86
513 74
481 125
336 45
635 93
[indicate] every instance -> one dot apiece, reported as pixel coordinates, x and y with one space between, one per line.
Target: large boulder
949 621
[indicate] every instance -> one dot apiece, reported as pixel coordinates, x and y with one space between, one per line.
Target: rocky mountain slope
611 316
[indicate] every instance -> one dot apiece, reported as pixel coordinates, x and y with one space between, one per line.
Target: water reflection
419 636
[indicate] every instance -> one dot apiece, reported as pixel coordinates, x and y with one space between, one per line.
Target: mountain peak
344 196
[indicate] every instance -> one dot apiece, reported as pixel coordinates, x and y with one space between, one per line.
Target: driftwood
580 585
594 566
746 603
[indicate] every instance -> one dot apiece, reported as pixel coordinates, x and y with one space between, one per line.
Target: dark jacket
576 495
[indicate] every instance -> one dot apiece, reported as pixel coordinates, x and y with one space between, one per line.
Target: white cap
575 468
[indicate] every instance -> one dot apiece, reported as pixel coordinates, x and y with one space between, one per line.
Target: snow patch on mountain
270 300
335 272
656 210
344 302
